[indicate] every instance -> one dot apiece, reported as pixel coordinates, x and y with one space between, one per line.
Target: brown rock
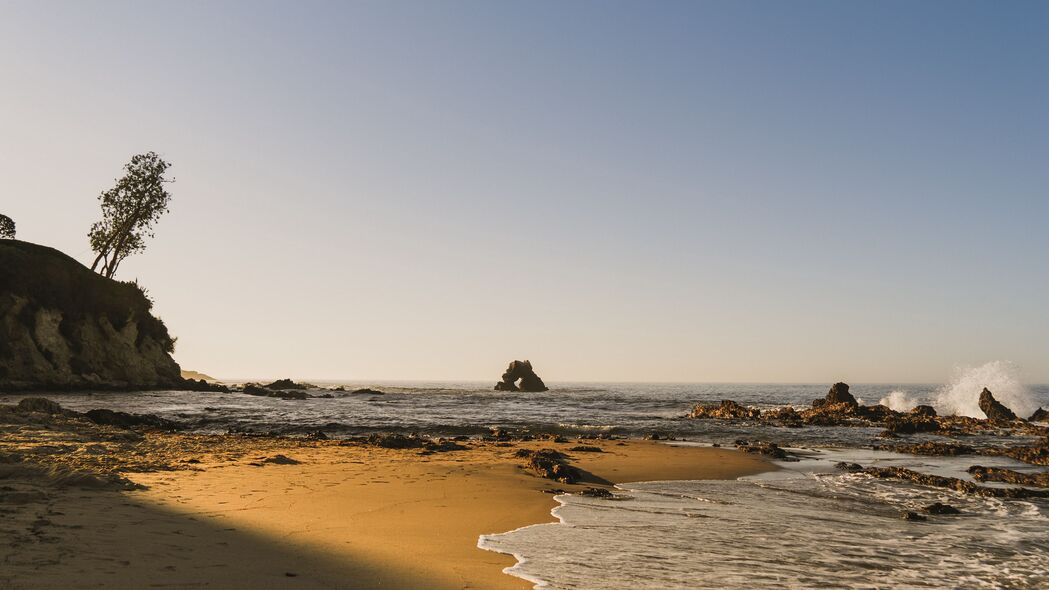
994 409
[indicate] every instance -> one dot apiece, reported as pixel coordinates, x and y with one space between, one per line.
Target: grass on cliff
51 279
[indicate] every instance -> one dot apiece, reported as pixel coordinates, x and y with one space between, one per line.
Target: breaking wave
961 395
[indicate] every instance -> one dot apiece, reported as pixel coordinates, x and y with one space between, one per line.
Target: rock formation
994 409
1039 415
520 370
65 327
838 394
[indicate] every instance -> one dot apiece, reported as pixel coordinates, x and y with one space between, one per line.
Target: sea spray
901 401
961 396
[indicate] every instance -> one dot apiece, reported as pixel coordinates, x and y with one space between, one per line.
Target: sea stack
838 394
996 412
520 371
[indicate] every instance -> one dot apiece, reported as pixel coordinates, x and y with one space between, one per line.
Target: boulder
125 420
923 410
366 391
520 371
941 508
283 384
839 394
996 412
40 404
1040 415
727 409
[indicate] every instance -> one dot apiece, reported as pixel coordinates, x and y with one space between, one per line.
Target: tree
129 211
7 227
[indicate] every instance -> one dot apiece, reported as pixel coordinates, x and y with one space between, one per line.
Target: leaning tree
129 211
7 227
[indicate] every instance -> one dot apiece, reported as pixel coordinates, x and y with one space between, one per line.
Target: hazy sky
703 191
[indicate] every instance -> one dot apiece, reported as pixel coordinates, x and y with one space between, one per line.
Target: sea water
806 527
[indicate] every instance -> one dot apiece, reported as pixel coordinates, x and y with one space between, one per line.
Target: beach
268 512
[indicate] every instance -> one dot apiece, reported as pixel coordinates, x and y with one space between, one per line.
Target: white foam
961 396
901 401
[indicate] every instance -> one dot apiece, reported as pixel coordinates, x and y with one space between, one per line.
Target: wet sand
216 514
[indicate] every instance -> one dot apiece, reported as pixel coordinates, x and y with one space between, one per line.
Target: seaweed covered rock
994 409
549 463
520 376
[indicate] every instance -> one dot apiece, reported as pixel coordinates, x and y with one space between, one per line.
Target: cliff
65 327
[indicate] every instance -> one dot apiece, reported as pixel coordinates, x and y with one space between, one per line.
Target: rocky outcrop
520 371
551 464
726 410
65 327
981 473
838 394
952 483
996 412
1039 415
50 412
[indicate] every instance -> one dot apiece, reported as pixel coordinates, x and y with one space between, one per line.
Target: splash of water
901 401
961 396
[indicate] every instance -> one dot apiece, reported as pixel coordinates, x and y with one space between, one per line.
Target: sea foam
961 396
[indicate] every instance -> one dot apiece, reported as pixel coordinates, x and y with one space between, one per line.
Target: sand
342 516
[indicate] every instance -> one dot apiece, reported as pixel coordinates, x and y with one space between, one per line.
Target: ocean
807 525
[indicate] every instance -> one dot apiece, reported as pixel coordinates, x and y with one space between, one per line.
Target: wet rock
282 384
913 516
366 391
125 420
827 414
202 385
317 435
911 424
941 509
1035 454
396 441
258 390
932 448
952 483
586 449
1040 415
848 467
838 394
995 411
443 446
551 464
41 405
924 410
980 473
521 371
785 416
596 493
769 449
727 409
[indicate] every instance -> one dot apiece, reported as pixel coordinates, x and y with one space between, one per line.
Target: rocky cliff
65 327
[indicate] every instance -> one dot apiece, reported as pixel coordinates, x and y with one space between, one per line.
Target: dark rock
1034 454
849 467
980 473
444 446
317 435
551 464
125 420
42 405
952 483
596 493
768 449
942 509
366 391
396 441
281 384
995 411
913 516
938 449
281 460
258 390
923 410
839 394
911 424
202 385
521 370
1040 415
586 449
727 409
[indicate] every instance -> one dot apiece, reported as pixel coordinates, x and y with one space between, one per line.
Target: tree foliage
7 227
129 211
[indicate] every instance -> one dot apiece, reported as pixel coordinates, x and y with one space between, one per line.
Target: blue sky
700 191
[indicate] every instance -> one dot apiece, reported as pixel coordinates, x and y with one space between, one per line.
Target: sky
619 191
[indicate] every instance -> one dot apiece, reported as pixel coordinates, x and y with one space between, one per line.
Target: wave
961 396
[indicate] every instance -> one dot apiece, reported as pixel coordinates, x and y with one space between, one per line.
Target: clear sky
698 191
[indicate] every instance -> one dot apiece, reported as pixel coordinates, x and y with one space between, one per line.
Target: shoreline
242 512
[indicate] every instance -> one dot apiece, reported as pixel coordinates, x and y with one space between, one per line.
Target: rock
254 389
923 410
40 404
551 464
995 411
396 441
1034 454
913 516
317 435
979 473
839 394
596 493
952 483
849 467
282 384
202 385
940 508
124 420
586 449
366 391
520 370
281 460
727 409
787 416
911 424
258 390
1040 415
769 449
938 449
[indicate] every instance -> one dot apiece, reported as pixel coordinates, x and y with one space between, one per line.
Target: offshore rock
838 394
727 409
1039 415
125 420
952 483
980 473
996 412
923 410
520 371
